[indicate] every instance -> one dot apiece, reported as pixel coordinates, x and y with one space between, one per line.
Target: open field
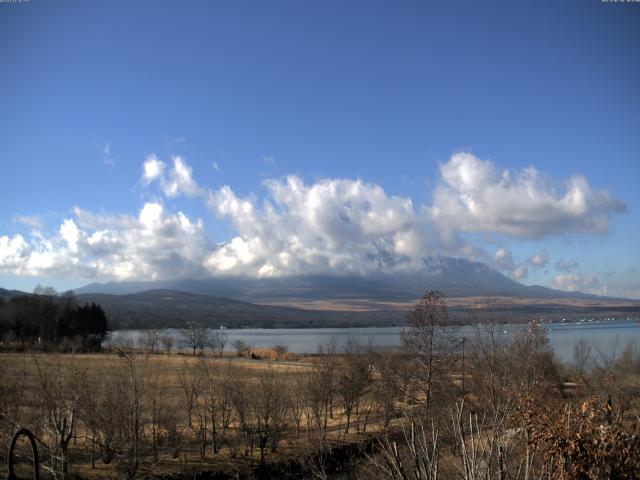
136 413
469 302
177 413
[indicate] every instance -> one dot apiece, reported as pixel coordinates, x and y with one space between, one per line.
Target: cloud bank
334 225
155 244
475 196
339 226
576 282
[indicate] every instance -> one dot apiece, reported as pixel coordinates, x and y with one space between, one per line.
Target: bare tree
388 382
150 340
188 381
320 386
218 341
533 371
581 356
270 407
88 411
353 381
45 291
242 348
225 387
212 396
103 411
130 382
58 397
195 336
156 407
167 343
488 349
297 401
202 405
241 394
430 339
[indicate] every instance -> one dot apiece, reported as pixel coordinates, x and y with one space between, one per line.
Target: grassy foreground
194 414
492 405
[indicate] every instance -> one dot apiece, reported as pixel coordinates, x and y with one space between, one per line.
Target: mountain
330 301
171 308
455 277
7 295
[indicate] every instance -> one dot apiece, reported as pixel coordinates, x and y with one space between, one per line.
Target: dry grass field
136 413
176 409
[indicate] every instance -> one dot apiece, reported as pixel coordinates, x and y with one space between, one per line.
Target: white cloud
577 282
156 244
520 272
504 259
333 225
70 234
475 196
177 180
12 252
336 226
152 168
539 260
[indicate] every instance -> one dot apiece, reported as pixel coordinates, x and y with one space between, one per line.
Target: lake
609 337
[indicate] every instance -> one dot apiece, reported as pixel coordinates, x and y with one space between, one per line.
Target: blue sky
347 98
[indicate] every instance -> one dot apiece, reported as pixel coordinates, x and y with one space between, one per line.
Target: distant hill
7 295
171 308
455 277
329 301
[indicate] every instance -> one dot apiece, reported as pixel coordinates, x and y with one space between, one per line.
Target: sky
158 140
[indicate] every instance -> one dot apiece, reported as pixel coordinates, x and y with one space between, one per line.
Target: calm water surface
608 337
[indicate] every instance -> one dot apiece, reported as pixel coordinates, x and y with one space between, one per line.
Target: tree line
46 320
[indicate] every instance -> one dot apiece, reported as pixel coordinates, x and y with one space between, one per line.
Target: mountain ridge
454 277
309 301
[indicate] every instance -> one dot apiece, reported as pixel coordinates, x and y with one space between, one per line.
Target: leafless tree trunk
150 340
167 343
58 397
195 336
242 348
131 380
581 356
430 341
218 342
388 382
353 381
297 401
188 381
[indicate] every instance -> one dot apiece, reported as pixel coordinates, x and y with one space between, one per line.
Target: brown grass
19 366
364 304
